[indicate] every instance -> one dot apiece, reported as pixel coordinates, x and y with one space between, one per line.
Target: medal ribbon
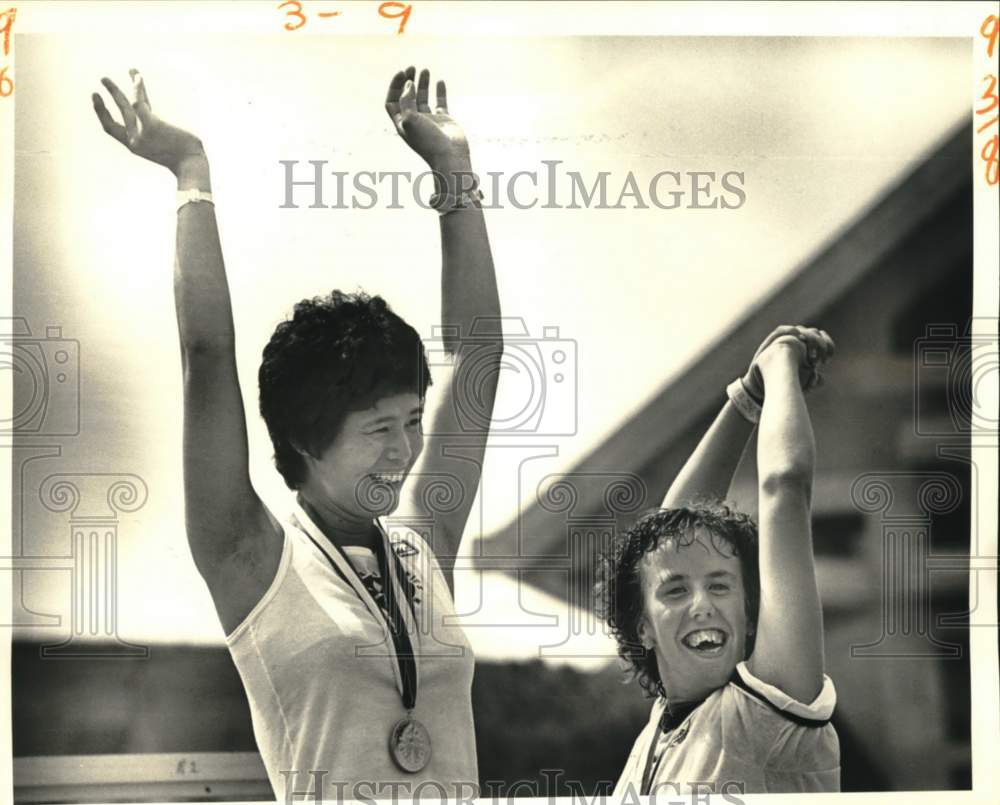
401 619
393 573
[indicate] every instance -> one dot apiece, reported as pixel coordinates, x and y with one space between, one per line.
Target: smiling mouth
391 478
706 642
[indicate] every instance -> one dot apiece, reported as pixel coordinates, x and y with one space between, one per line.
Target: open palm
143 133
433 134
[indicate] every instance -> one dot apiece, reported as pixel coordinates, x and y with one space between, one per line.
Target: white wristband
741 399
445 202
189 196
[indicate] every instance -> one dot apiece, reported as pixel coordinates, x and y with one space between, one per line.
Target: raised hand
143 133
433 134
817 349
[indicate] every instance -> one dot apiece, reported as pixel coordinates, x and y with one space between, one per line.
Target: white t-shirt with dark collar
747 737
320 677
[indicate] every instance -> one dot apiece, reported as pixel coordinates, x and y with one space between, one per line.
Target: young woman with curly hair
358 681
722 624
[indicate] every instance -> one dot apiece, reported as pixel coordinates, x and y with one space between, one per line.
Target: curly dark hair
336 354
619 588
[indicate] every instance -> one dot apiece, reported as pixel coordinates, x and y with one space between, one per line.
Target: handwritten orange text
6 25
296 18
990 152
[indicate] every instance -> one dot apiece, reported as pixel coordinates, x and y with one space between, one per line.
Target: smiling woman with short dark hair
340 624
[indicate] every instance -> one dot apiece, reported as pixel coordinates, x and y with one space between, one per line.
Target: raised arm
470 306
228 527
788 652
709 471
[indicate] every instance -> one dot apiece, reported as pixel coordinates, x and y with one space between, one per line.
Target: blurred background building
891 533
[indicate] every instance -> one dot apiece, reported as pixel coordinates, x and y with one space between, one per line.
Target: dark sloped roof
848 256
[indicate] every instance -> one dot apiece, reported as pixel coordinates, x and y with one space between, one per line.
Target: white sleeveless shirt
320 675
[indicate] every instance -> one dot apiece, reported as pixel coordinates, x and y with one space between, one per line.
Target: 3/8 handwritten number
295 12
990 151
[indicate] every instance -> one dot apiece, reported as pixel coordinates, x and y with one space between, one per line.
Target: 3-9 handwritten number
295 12
386 10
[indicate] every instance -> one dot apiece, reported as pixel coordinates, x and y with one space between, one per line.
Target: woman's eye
413 423
675 591
720 588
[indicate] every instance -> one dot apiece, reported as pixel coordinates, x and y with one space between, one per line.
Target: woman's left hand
818 348
433 134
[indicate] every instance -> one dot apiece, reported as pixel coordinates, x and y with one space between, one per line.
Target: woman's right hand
144 134
817 349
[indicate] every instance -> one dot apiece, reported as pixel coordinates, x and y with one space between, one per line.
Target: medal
410 744
409 740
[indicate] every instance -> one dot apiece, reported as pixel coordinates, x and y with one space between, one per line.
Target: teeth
714 637
389 478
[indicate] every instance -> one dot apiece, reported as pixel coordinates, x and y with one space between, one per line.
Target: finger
408 100
788 338
442 99
831 347
392 99
141 105
411 73
116 130
774 335
423 87
128 113
824 344
815 347
792 341
395 88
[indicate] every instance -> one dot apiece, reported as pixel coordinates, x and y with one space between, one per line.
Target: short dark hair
619 588
336 354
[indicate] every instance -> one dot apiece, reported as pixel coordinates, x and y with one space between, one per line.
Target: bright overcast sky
818 127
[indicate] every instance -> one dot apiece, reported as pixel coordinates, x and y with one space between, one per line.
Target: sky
817 127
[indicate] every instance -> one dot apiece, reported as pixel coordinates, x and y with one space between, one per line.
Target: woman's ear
645 634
